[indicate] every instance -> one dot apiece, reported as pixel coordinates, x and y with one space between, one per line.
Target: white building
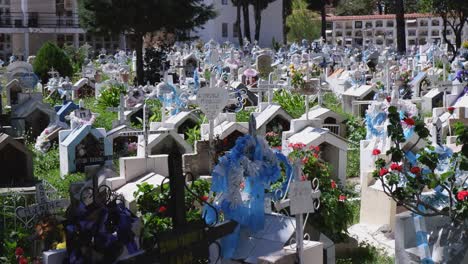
222 28
381 30
25 25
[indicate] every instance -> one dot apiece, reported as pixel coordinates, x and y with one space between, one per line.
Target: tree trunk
245 10
286 13
238 24
400 23
139 63
323 13
258 20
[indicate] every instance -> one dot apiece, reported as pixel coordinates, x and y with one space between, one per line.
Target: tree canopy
302 23
139 17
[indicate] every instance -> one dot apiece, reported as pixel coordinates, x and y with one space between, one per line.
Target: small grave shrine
15 163
83 145
31 116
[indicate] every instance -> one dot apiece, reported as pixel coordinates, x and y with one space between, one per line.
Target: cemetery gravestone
264 67
15 163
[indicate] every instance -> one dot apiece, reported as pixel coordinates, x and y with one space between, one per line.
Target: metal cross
42 207
298 193
145 132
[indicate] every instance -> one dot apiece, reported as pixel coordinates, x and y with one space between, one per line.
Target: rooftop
373 17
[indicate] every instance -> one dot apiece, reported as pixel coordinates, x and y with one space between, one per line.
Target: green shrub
193 134
110 97
50 56
244 115
293 104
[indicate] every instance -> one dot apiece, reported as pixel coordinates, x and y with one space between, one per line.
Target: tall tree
287 9
400 26
320 6
302 23
259 6
246 13
355 8
454 14
238 5
141 17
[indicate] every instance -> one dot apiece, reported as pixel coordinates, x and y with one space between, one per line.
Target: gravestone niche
120 145
15 163
13 88
89 152
31 117
278 125
85 91
264 65
185 126
228 142
35 123
190 64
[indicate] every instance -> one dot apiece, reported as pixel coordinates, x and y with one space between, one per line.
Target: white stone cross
121 110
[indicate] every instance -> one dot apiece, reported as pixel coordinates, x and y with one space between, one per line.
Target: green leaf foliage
51 56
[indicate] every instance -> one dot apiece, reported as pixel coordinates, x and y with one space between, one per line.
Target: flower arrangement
297 77
407 181
274 139
153 205
335 213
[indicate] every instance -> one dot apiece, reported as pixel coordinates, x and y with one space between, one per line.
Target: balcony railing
39 20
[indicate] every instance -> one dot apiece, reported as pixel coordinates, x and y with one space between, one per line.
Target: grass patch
365 254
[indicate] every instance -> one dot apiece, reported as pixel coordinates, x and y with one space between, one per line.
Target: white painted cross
121 110
212 101
42 207
303 199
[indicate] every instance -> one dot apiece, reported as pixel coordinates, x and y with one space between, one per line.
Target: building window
224 2
234 30
435 23
390 24
224 30
358 24
329 25
378 23
369 24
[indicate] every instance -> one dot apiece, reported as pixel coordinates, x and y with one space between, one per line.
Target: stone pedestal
313 254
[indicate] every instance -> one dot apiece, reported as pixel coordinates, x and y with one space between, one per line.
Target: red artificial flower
278 148
383 172
409 121
23 260
297 146
333 184
315 155
315 148
396 167
389 99
204 198
415 170
242 185
19 251
451 109
162 209
461 195
304 178
342 198
305 160
376 152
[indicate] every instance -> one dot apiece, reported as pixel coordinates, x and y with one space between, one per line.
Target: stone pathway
378 236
